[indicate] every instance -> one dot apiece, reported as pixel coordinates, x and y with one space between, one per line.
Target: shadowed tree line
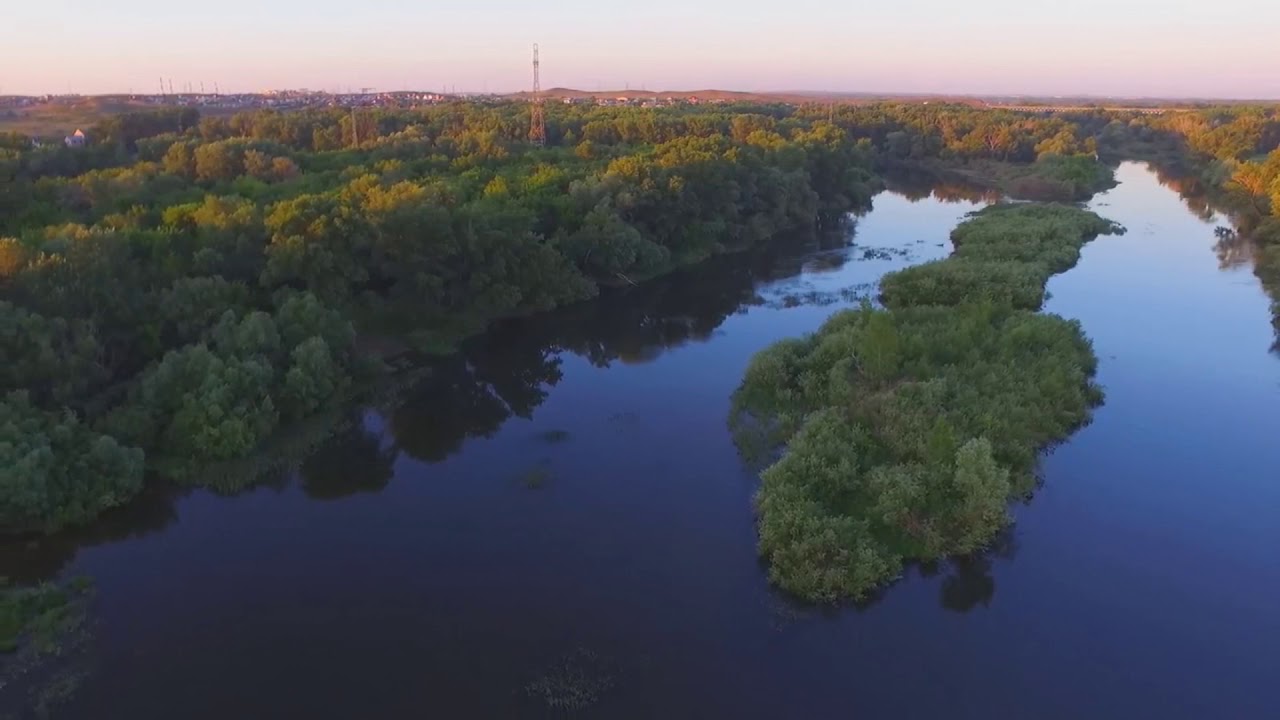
185 290
429 415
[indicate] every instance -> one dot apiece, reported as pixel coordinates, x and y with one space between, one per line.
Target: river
557 524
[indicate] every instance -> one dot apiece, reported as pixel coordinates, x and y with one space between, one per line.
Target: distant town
300 99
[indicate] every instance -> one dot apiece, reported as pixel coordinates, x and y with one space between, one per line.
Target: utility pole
355 129
537 120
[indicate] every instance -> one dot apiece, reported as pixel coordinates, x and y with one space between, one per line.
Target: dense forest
180 290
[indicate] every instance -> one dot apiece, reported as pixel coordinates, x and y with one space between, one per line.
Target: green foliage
313 380
953 281
222 398
185 285
1004 255
37 615
56 361
907 430
1083 173
199 406
56 472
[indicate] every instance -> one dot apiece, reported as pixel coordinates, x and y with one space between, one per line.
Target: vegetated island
907 430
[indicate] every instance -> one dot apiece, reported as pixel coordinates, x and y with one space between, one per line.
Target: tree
55 472
180 159
258 165
1249 182
217 161
314 380
55 360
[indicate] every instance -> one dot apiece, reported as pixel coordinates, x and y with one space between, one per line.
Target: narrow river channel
557 524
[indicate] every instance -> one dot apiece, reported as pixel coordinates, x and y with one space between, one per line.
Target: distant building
75 140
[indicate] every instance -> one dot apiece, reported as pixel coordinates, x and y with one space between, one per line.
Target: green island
909 429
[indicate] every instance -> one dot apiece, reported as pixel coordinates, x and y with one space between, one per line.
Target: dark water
560 514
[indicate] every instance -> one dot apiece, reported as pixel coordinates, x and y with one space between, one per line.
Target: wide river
557 524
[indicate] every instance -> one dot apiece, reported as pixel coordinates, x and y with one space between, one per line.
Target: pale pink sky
1225 48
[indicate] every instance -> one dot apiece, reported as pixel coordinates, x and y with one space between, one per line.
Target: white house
76 139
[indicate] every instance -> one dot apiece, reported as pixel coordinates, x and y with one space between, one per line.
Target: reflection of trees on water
916 184
1233 249
471 396
967 583
508 371
37 558
352 462
1235 246
1188 185
504 373
970 581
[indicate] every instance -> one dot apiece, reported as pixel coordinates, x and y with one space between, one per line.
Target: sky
1140 48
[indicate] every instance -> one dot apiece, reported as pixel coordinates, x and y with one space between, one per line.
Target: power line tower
537 121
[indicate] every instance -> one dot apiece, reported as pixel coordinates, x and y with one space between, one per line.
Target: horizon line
871 94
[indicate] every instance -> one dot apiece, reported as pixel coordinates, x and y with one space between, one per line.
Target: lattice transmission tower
537 121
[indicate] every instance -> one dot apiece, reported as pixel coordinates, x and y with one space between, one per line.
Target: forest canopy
182 289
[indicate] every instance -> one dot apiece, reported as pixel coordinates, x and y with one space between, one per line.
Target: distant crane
537 120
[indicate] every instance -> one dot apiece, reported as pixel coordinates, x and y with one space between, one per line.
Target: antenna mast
537 121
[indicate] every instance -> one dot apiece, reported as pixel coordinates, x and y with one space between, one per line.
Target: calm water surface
563 506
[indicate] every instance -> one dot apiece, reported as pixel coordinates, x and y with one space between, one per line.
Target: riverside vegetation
181 290
908 429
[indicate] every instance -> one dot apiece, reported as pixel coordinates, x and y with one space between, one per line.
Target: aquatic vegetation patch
574 682
537 477
906 431
886 253
43 638
554 437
